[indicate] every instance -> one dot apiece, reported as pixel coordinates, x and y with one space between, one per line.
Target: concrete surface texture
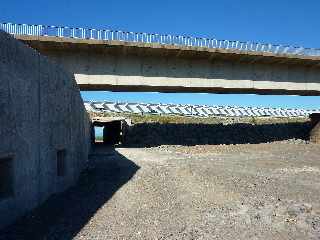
263 191
44 129
121 66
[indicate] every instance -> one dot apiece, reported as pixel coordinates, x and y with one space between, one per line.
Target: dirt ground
248 191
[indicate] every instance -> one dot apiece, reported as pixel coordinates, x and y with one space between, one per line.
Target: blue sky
292 22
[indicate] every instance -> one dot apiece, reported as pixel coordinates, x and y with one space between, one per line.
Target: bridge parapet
163 39
127 61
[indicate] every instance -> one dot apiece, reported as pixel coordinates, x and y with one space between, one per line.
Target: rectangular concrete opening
6 177
108 130
61 163
112 132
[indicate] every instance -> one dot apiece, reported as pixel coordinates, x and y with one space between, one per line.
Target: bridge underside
180 89
122 66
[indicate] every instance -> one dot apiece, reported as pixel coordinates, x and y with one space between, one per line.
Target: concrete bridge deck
55 42
119 62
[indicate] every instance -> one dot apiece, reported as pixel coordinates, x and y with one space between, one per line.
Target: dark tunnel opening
107 132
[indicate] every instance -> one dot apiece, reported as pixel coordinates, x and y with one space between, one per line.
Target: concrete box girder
124 66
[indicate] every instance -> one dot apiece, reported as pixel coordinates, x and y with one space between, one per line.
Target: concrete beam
132 66
41 42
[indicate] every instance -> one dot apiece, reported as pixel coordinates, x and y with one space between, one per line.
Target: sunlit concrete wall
44 129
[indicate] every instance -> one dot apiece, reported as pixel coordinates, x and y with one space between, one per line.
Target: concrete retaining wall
44 129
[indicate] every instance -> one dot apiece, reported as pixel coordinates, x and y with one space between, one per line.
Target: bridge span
126 61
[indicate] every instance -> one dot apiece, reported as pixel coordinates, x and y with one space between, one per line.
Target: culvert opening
108 131
112 133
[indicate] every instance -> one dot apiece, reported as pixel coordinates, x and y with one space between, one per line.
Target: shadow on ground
156 134
63 215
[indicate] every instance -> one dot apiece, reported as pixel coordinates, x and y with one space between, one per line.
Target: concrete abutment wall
44 129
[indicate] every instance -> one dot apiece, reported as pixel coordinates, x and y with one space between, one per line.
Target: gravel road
248 191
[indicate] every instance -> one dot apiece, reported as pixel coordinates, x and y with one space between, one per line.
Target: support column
315 130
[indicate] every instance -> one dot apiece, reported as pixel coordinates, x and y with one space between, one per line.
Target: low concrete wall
44 129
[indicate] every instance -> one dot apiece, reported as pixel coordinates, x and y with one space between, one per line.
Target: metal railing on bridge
110 35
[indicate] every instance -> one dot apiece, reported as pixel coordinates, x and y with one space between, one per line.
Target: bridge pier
315 130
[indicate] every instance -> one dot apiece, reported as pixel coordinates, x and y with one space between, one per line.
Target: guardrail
110 35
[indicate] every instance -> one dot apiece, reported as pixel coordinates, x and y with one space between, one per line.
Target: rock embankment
155 134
